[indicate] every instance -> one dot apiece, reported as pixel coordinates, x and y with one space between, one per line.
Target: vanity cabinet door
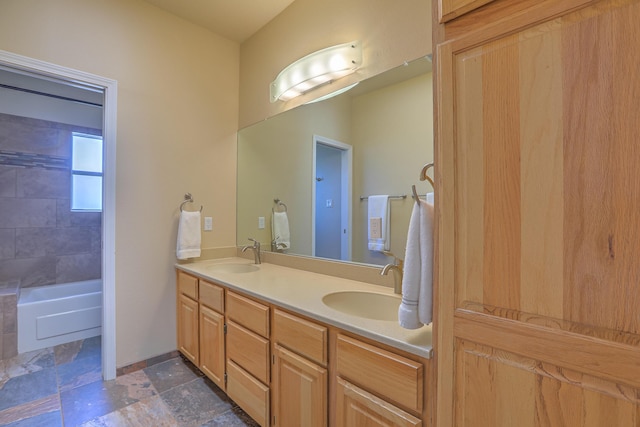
249 393
299 390
357 407
212 345
299 376
188 328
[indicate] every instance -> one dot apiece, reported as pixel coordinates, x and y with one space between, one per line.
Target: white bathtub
57 314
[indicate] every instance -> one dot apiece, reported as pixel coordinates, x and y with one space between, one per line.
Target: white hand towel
280 230
416 308
188 235
378 223
425 302
408 310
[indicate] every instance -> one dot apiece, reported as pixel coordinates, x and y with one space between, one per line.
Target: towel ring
279 203
423 177
187 199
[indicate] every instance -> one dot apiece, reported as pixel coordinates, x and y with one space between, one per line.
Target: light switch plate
261 222
208 223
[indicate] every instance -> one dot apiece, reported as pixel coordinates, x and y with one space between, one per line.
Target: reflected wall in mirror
387 121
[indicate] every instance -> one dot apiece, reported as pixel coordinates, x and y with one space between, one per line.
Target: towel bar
402 196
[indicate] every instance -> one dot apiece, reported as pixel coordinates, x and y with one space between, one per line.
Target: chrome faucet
276 247
396 267
256 250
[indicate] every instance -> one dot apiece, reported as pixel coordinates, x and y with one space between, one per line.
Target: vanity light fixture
334 93
316 69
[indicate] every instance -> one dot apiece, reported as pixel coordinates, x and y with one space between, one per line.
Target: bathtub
57 314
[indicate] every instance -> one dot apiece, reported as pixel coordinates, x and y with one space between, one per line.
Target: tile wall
41 241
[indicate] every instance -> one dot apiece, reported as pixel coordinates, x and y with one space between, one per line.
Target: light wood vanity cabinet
212 345
187 317
248 368
376 387
200 325
280 369
300 375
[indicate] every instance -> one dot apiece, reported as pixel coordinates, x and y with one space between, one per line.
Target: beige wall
391 32
177 119
178 106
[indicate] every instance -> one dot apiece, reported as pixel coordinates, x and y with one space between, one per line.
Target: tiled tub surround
41 241
302 291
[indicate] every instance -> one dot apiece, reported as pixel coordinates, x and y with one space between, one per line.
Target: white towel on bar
416 308
280 230
378 223
188 235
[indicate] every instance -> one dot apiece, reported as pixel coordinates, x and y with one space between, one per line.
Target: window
86 172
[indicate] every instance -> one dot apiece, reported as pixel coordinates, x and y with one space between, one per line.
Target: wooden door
188 328
299 391
538 151
449 9
357 407
212 345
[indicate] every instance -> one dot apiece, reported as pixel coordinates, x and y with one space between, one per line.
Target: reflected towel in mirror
378 223
280 230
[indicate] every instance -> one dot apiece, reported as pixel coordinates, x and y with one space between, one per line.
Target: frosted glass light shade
316 69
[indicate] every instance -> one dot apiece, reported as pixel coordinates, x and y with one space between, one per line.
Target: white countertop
302 291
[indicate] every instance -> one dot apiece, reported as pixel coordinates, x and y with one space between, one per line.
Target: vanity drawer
249 393
397 378
212 296
187 285
304 337
248 350
248 313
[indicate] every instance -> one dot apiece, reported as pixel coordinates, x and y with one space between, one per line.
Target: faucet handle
396 261
256 244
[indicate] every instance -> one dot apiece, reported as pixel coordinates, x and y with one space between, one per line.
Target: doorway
331 199
78 79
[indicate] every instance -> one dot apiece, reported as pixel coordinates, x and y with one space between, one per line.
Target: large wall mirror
323 159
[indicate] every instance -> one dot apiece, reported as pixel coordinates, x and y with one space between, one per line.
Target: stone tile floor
63 386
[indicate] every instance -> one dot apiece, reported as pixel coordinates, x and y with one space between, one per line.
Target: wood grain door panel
538 151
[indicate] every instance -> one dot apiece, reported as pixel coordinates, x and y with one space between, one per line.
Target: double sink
363 304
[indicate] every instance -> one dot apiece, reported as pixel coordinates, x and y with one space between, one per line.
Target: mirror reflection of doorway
332 199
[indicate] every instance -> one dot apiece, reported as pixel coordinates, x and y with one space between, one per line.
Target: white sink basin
370 305
234 268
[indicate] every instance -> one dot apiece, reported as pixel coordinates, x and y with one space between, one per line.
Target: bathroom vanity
263 334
